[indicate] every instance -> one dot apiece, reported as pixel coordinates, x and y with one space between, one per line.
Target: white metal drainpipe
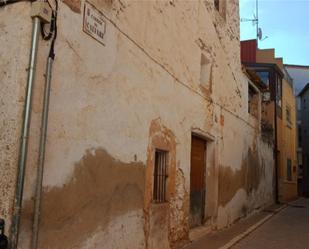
40 171
25 134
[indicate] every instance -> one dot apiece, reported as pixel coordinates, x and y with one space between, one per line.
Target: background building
279 110
303 128
300 75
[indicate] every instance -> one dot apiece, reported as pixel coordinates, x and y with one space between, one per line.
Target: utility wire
54 30
50 33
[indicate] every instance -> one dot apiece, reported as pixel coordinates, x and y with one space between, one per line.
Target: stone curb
241 236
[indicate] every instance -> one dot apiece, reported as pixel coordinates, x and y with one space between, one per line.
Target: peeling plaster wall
112 105
245 180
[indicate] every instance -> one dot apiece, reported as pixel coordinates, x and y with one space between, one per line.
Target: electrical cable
45 36
49 35
54 28
44 125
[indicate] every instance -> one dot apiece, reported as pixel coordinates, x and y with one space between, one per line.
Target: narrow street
289 229
277 227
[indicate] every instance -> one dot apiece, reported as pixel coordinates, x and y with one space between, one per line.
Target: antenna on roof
255 21
249 20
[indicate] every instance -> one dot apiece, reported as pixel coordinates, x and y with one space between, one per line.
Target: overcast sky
285 22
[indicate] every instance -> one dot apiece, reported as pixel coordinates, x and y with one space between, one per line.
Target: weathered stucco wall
113 104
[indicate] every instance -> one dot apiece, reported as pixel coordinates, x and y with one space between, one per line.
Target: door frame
203 185
211 175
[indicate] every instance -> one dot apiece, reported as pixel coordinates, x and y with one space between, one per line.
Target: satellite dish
260 34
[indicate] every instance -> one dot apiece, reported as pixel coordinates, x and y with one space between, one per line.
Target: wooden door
197 181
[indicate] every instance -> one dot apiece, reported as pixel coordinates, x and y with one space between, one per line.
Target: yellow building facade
286 129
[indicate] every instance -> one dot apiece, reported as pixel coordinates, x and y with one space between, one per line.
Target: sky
285 22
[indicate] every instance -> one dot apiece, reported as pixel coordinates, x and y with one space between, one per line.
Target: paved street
288 229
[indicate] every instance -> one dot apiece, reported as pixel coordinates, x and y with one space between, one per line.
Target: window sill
159 203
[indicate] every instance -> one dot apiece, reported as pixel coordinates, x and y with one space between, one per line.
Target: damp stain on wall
248 177
101 189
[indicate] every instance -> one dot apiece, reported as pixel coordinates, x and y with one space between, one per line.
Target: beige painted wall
112 105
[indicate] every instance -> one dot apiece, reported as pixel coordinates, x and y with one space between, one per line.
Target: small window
289 170
160 176
217 4
205 73
220 6
264 75
266 96
288 115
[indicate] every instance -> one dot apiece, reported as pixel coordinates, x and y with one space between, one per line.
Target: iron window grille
160 176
